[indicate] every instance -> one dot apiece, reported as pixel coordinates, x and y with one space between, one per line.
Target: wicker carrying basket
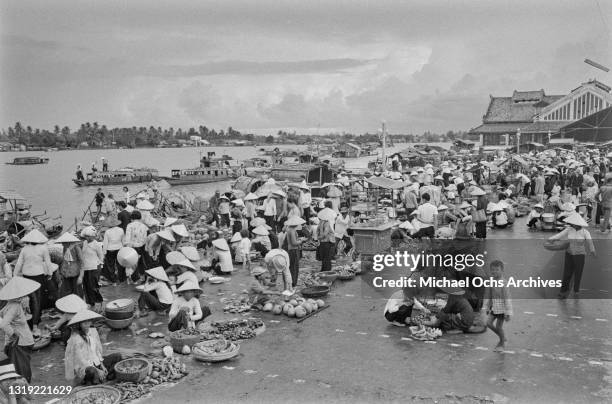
178 343
119 324
219 357
81 394
130 376
556 245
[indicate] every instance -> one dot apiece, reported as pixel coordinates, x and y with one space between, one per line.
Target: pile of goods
234 330
297 307
310 245
237 305
424 333
307 279
523 206
215 350
345 272
93 395
183 340
163 370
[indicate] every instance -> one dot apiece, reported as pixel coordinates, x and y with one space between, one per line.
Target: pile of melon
296 307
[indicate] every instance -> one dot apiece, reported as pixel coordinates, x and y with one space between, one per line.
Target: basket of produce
182 338
100 394
345 273
119 324
216 350
132 370
234 330
327 276
120 309
556 245
42 342
315 291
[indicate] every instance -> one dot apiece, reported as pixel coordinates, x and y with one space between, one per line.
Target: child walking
498 304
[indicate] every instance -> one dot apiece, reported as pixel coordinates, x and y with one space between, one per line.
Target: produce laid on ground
92 395
345 272
233 330
215 350
307 279
163 370
297 307
424 333
236 305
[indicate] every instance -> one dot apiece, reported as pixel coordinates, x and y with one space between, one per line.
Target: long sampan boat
120 176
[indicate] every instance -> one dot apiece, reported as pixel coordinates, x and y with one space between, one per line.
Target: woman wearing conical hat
34 263
83 360
18 337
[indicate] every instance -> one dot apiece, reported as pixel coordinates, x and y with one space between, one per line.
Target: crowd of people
266 232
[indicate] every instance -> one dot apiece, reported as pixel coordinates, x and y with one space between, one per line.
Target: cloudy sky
418 64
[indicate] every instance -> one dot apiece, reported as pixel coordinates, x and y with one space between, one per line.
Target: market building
536 117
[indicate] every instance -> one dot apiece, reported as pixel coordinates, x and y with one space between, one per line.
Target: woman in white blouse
579 240
92 260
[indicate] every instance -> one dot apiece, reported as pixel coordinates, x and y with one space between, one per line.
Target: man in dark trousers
124 216
99 200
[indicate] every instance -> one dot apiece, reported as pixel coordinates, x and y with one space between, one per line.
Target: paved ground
558 351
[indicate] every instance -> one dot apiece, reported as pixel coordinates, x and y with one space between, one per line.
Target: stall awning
386 183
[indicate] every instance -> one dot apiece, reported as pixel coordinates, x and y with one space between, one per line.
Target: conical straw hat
84 315
18 287
158 273
70 304
67 238
35 237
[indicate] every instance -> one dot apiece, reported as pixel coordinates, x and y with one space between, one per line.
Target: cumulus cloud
419 65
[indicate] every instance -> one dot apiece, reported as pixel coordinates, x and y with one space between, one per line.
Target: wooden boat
13 208
120 176
211 169
26 161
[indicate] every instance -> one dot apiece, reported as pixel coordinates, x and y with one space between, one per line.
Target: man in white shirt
111 244
136 237
343 222
305 201
427 215
269 206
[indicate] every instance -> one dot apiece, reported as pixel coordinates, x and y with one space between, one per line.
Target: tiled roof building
535 114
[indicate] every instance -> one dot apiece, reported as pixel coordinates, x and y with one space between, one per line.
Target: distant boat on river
211 169
120 176
26 161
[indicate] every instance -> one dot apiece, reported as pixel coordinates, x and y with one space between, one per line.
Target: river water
49 187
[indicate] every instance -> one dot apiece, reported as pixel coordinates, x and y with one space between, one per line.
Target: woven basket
556 245
178 343
346 277
327 276
81 394
120 305
119 324
220 357
42 342
134 377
